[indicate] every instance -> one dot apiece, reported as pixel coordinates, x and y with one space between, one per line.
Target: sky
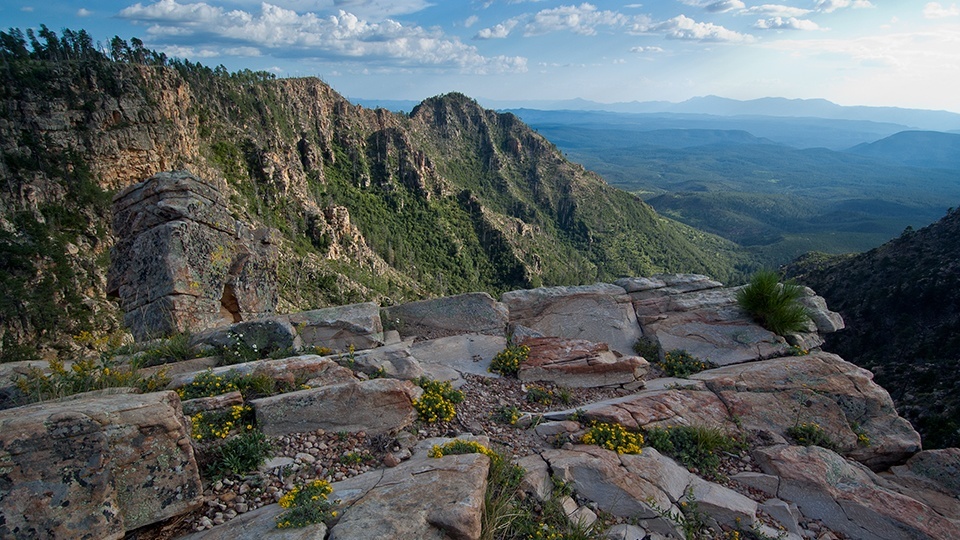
900 53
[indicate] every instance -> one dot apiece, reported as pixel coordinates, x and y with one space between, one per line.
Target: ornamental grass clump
307 504
774 305
438 402
613 437
507 362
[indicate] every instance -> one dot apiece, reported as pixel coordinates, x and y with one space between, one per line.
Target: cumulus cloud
683 27
640 50
788 23
83 12
583 19
829 6
933 10
776 10
499 31
285 33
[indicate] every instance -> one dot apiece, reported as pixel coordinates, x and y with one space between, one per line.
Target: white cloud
27 9
683 27
471 20
829 6
933 10
499 31
776 10
285 33
639 50
83 12
788 23
583 19
716 6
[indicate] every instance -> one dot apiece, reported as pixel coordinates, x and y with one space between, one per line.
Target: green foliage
175 348
773 305
613 437
210 425
537 394
648 348
680 363
811 434
507 362
84 375
307 504
507 414
251 386
459 447
438 402
696 447
240 455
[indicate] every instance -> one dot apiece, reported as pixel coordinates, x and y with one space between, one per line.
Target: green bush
773 305
240 455
811 434
438 402
307 504
696 447
680 363
507 362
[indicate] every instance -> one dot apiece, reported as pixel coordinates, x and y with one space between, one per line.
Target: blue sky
854 52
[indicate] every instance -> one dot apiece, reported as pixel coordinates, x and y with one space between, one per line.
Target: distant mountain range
926 149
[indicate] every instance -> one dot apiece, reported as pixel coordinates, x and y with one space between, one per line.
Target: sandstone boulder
848 497
471 313
577 363
449 358
777 394
95 467
310 369
423 498
375 406
932 477
601 313
181 262
260 524
339 327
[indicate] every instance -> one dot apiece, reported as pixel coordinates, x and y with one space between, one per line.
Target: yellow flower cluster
306 504
458 446
438 402
613 437
680 363
206 384
219 425
507 362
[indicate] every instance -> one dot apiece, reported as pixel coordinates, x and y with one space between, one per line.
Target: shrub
613 437
811 434
773 305
696 447
507 414
84 376
252 386
507 362
438 402
647 348
459 446
680 363
240 455
307 504
220 424
537 394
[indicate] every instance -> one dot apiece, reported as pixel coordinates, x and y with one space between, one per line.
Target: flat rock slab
339 327
317 370
260 524
848 497
932 477
450 358
776 394
423 498
577 363
375 406
471 313
95 467
601 313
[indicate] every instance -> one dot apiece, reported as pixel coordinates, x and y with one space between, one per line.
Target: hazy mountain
901 304
928 149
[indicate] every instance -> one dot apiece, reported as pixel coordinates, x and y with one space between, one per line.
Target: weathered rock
193 406
375 406
471 313
667 284
601 313
266 336
786 514
536 478
825 320
310 369
10 396
766 483
181 262
95 467
428 498
449 358
848 497
577 363
774 395
260 524
339 328
722 504
932 477
394 361
660 471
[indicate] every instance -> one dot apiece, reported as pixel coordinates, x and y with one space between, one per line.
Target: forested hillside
369 204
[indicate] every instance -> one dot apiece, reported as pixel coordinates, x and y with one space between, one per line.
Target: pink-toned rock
663 408
579 363
931 476
848 497
95 467
775 395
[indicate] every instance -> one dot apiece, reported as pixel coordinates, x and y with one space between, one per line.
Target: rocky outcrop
601 313
95 467
181 262
375 406
578 363
338 328
467 313
850 498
